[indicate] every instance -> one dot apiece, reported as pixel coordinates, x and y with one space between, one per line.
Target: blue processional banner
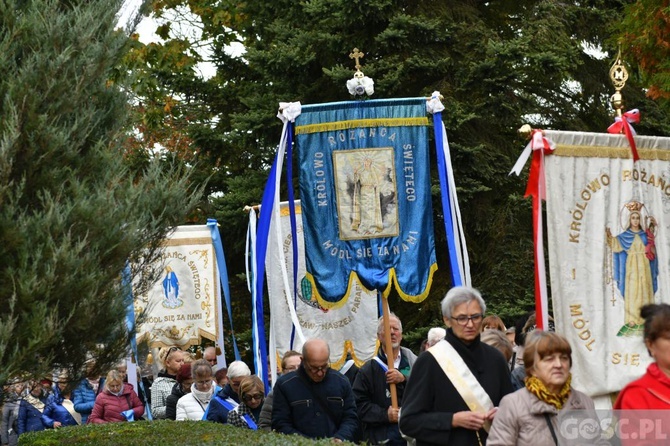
366 202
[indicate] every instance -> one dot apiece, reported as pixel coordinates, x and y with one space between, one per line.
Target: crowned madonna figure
635 266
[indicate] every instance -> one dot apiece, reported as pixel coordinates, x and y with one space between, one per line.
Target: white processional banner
182 307
349 329
608 224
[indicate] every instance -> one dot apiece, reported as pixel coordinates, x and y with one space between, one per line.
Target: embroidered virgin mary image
366 193
634 263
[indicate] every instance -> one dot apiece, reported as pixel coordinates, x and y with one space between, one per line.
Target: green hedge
161 433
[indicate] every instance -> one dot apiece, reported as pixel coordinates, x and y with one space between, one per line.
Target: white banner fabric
608 224
182 306
351 328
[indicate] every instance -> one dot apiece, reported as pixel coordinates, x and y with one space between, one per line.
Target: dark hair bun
651 310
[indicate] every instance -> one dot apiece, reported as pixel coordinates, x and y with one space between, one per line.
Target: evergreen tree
72 213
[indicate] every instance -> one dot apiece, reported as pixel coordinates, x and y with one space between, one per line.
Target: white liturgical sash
462 378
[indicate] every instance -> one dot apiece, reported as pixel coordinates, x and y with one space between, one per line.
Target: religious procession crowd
470 385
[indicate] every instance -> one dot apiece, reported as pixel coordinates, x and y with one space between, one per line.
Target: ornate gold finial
619 76
355 54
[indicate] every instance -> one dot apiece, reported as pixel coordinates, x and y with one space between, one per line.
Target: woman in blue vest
252 394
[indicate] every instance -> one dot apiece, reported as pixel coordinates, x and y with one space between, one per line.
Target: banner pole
388 347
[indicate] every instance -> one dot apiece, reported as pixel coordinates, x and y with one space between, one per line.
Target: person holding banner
378 417
534 415
455 386
252 394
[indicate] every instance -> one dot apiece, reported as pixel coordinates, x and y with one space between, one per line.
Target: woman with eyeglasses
172 358
252 394
455 386
193 405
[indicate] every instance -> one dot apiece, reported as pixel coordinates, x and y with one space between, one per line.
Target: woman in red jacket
117 402
652 391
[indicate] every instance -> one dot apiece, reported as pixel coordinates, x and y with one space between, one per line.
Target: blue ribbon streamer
263 231
223 276
291 207
456 278
126 283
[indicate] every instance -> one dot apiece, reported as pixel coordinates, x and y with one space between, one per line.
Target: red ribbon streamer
536 177
623 124
536 188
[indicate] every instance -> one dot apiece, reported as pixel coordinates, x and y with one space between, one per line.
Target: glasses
316 370
204 383
170 350
257 397
463 319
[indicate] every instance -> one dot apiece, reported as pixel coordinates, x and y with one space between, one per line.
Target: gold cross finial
356 55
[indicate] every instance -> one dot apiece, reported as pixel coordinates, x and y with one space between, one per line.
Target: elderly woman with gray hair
455 386
228 398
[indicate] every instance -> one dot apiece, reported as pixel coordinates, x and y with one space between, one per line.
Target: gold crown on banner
634 206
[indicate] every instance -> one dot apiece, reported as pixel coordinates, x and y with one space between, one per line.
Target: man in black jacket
371 388
315 401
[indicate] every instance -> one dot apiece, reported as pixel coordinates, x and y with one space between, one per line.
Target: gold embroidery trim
359 123
610 152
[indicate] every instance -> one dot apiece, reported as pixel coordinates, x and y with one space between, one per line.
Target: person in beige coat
542 412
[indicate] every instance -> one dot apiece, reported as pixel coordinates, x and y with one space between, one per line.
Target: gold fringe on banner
358 123
609 152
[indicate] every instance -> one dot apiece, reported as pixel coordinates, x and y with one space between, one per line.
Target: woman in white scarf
193 406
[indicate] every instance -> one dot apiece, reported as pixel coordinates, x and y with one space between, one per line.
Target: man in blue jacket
315 401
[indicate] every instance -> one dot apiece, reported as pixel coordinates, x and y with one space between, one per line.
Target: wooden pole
388 347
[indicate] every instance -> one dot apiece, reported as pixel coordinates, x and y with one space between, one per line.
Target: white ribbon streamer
434 105
289 111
